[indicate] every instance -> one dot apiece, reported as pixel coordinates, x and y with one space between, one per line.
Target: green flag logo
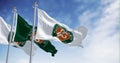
62 34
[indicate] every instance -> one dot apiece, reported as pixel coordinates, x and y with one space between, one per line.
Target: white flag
26 48
4 35
4 31
50 29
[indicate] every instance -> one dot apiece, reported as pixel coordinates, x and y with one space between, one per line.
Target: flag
24 33
5 34
22 30
4 31
26 47
50 29
21 36
47 46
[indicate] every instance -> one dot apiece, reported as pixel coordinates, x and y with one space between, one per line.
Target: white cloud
105 2
64 18
103 46
86 17
85 1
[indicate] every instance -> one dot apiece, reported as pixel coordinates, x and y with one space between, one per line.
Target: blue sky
100 17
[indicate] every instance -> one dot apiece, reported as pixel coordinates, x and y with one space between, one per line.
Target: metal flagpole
34 19
14 14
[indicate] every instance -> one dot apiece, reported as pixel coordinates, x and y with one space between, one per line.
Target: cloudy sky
101 17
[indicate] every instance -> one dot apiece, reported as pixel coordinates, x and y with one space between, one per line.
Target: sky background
101 17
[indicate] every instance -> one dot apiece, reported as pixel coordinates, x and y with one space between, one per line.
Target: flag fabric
26 47
24 33
22 30
50 29
5 34
4 31
47 46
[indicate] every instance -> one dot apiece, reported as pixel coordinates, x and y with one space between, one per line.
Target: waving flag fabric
22 30
24 33
4 35
4 31
50 29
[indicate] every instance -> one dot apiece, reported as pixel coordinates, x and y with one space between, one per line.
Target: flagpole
33 29
8 49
